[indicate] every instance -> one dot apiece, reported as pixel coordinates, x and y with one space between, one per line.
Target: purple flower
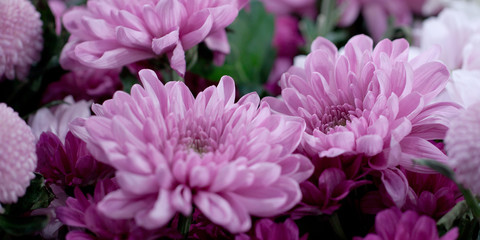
109 34
462 145
287 38
332 181
369 102
285 7
21 38
68 164
82 213
17 155
84 84
266 229
172 151
377 12
393 224
429 194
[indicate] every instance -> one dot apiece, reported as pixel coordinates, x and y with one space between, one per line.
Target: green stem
472 202
184 225
337 226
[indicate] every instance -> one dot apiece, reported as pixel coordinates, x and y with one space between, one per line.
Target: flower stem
184 225
472 202
337 226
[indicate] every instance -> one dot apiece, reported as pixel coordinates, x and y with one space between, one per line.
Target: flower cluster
237 119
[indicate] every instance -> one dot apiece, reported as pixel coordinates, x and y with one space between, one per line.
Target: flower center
198 145
334 116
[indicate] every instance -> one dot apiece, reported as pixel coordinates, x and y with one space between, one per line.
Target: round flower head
17 155
369 102
114 33
462 145
172 151
21 38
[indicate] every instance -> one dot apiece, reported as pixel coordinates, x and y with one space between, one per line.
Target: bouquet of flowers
237 119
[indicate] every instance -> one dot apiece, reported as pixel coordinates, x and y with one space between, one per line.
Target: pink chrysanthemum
369 102
21 38
172 151
393 224
114 33
17 155
462 145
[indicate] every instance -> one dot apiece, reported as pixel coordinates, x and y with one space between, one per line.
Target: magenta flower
84 84
393 224
287 37
82 213
266 229
285 7
17 155
376 13
287 40
428 194
332 181
21 38
109 34
369 102
172 151
68 164
462 145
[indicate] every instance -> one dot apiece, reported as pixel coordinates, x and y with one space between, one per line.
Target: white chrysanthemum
463 147
21 39
17 155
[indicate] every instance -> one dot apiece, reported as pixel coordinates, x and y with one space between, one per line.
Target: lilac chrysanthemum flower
172 151
462 145
393 224
21 39
17 155
57 118
113 33
369 102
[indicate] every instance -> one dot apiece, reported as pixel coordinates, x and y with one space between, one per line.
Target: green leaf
437 166
22 226
457 212
128 80
252 54
443 169
36 196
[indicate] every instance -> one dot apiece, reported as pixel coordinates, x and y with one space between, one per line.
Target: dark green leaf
128 79
437 166
21 226
252 55
36 196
